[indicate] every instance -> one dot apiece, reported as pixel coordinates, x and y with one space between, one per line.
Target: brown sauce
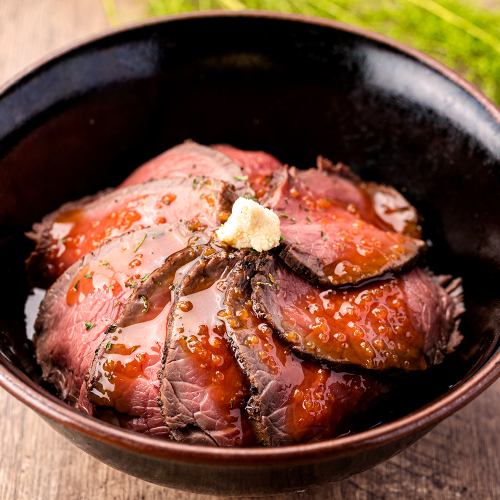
133 347
207 358
77 232
360 249
316 399
369 326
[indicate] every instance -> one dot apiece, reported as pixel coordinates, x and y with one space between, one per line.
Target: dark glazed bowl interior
295 87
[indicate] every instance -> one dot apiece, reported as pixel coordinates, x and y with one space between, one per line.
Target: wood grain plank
31 29
458 459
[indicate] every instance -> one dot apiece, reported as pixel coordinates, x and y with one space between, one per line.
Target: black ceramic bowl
293 86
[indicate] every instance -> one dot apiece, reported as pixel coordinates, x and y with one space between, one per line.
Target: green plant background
464 34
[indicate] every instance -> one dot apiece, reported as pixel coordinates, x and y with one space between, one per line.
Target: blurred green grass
463 34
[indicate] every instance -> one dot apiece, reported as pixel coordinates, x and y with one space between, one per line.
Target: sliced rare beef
154 327
258 166
407 322
203 391
190 160
327 240
383 206
77 228
91 295
124 373
293 400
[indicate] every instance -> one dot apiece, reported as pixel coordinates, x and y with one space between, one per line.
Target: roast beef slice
203 391
91 295
407 322
293 400
124 375
63 237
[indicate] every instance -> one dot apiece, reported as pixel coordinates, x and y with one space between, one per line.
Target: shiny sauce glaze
369 325
128 360
380 205
317 402
332 243
124 265
90 296
200 370
391 210
196 202
75 234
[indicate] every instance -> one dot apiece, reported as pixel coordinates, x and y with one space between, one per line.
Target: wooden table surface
458 459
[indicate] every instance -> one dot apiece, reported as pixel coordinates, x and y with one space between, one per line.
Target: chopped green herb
241 178
109 345
263 283
131 284
75 286
196 182
145 277
89 325
104 263
88 276
282 239
139 245
145 303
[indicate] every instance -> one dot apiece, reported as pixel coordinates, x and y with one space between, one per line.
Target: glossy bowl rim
419 421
